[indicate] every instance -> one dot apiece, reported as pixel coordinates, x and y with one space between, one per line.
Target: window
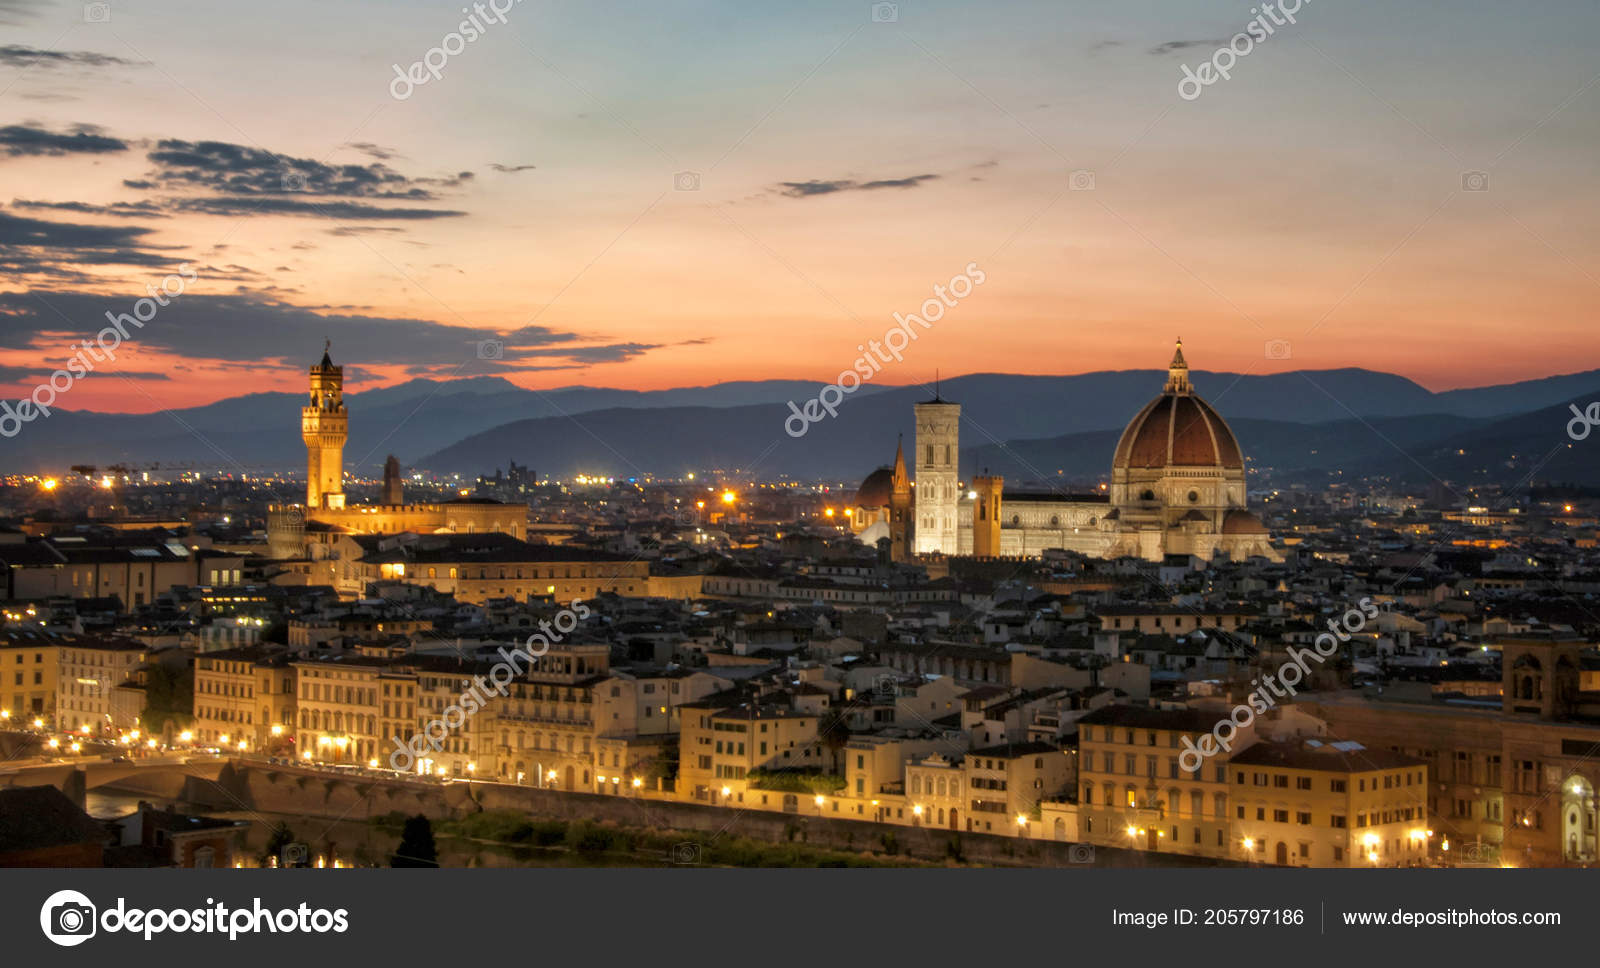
1336 786
1303 819
1281 782
1280 816
1337 821
1302 783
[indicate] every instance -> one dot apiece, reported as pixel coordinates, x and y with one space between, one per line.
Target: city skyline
625 205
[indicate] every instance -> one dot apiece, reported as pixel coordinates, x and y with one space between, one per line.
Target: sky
652 194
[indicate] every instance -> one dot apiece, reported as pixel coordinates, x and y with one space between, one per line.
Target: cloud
806 189
349 211
32 246
15 13
376 151
1176 45
28 139
511 168
240 170
26 375
17 55
252 328
115 209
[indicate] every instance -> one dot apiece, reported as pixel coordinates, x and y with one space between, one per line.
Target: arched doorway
1060 830
570 776
954 823
1283 853
1577 820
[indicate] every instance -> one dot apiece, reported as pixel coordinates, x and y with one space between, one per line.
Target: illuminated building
293 530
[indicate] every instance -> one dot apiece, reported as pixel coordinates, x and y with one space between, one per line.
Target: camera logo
1474 181
885 13
67 918
686 181
294 181
295 855
1080 854
491 349
1278 349
1081 180
686 853
96 13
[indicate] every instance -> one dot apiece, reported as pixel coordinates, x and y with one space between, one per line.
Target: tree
281 837
416 845
169 697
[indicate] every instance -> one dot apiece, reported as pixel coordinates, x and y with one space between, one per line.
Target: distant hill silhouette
1356 420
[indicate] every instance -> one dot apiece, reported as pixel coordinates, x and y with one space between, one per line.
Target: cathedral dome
1178 429
876 490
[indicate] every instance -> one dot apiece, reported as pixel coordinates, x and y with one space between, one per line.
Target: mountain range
1027 427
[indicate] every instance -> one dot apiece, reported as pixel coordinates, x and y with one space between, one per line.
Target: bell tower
325 425
937 487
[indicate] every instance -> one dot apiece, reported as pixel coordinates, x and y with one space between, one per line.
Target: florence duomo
1177 487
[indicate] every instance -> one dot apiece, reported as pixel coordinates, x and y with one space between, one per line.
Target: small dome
876 490
1242 522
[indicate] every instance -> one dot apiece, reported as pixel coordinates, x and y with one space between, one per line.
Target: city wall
287 790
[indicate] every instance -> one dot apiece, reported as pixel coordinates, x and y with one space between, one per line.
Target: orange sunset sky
651 195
